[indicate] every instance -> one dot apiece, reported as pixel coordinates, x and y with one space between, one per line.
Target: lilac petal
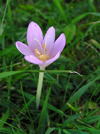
24 49
48 62
34 36
33 59
49 39
58 45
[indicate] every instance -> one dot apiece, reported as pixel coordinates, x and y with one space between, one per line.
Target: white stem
39 88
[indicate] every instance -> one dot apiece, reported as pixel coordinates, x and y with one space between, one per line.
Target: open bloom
41 51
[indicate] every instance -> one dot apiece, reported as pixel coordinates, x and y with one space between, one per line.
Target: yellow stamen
37 53
41 56
44 47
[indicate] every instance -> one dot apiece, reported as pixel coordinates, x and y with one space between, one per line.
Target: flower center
41 56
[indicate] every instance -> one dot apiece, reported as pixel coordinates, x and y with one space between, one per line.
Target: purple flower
41 51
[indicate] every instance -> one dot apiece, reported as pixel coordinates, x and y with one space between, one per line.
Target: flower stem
39 88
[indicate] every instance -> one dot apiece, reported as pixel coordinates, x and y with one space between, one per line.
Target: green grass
70 99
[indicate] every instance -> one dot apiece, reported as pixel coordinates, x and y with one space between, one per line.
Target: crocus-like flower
41 51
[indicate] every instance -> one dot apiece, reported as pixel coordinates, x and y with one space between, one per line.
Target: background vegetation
70 103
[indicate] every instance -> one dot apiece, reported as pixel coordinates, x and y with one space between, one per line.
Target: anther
37 53
44 47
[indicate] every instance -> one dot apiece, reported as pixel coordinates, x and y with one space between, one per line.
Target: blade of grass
90 130
92 7
4 59
91 119
19 130
43 112
26 106
5 74
70 32
11 22
49 106
80 17
98 124
77 132
49 130
81 91
4 118
67 121
9 84
66 89
3 17
66 132
57 3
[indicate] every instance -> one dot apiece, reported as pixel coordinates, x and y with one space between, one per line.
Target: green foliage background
70 103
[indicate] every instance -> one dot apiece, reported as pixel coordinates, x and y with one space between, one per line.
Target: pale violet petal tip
49 39
34 36
23 48
58 45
